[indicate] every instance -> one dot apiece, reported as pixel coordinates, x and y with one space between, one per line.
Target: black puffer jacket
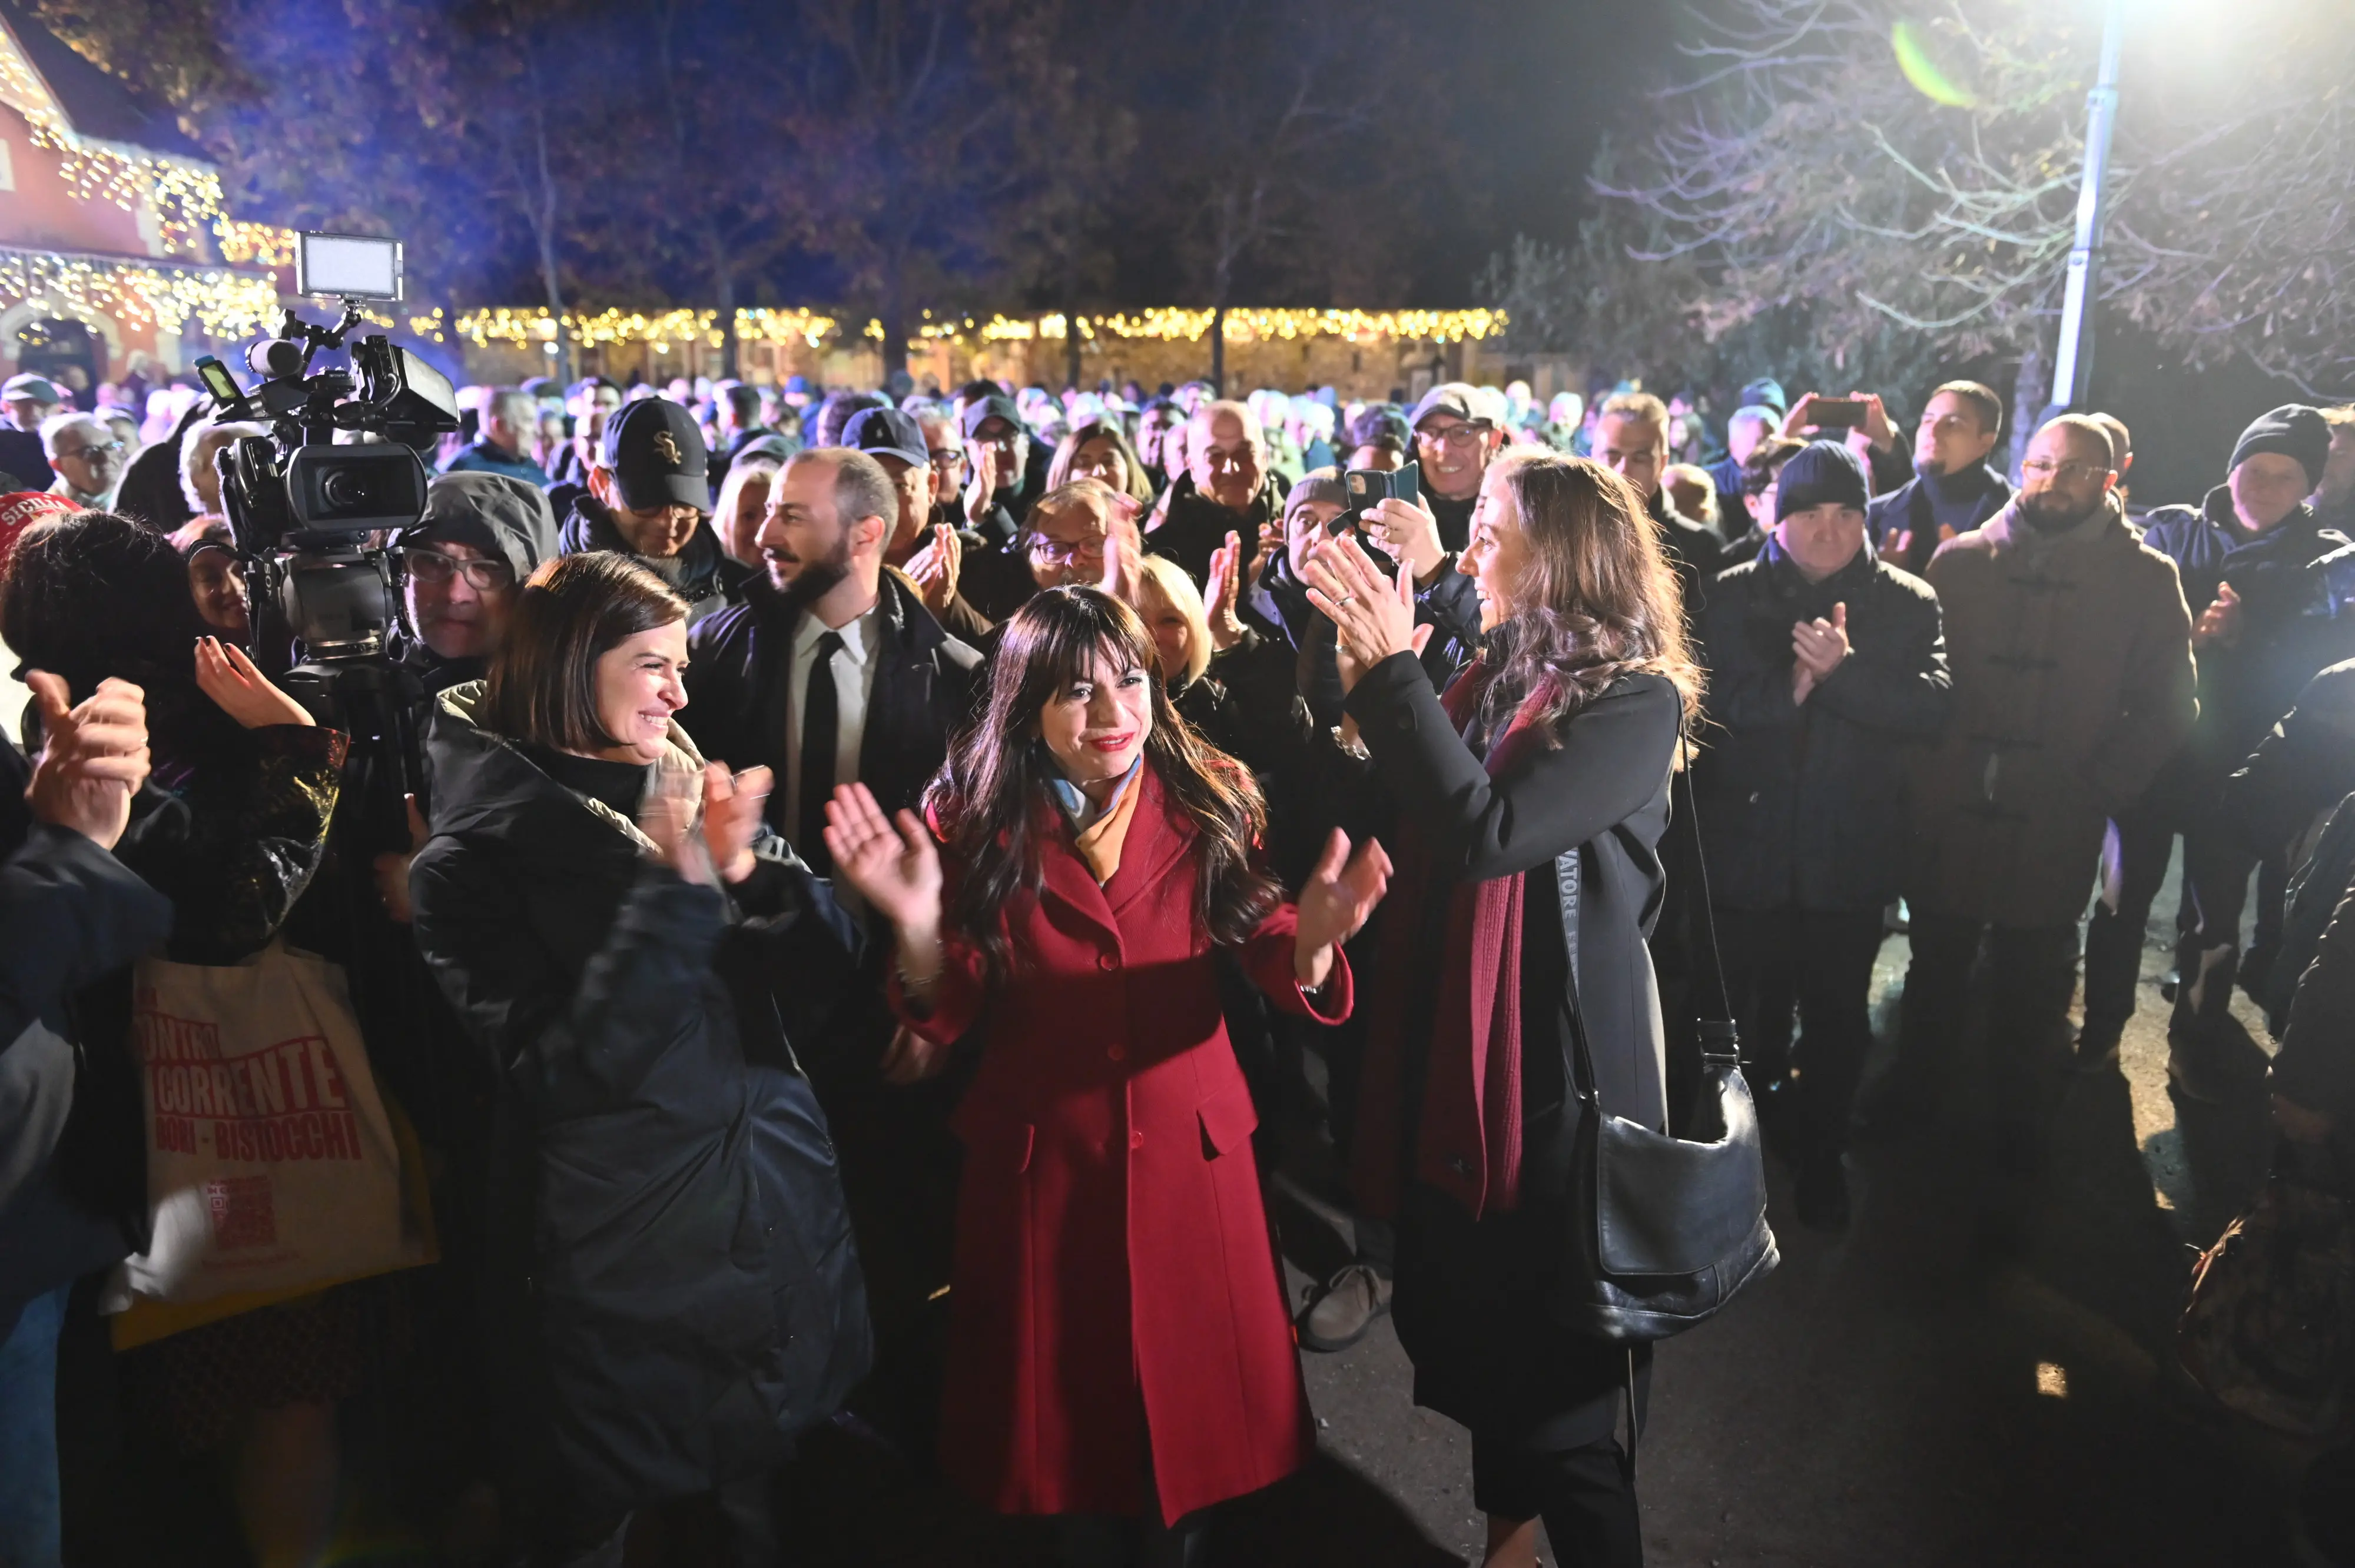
674 1291
1802 804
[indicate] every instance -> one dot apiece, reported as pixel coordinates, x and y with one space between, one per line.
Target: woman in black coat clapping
674 1290
1532 798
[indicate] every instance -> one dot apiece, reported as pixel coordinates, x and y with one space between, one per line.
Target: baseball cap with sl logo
657 455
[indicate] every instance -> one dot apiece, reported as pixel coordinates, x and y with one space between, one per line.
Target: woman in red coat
1119 1344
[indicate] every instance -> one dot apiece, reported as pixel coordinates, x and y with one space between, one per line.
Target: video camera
304 509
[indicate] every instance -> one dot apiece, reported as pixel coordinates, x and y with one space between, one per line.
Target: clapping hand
1819 646
934 568
1334 903
226 675
892 864
731 817
1225 588
1373 614
93 757
2221 621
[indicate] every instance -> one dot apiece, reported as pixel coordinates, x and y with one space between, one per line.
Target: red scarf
1469 1139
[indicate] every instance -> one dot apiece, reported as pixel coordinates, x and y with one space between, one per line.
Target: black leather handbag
1663 1231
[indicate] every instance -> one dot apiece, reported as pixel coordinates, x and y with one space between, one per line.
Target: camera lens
352 489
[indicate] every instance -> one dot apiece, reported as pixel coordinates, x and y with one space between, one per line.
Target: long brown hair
573 609
1067 452
1597 600
988 798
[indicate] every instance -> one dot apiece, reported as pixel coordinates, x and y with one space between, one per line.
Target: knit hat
1821 473
2294 430
1318 484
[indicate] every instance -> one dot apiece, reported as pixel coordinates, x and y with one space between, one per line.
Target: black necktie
821 717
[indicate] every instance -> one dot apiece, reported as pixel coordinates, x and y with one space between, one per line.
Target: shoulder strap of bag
1720 1043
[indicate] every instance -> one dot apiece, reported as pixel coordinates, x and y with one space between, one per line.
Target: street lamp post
2072 365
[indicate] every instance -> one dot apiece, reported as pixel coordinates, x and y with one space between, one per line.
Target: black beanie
2294 430
1821 473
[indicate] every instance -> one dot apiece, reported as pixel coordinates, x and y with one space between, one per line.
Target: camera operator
460 566
649 493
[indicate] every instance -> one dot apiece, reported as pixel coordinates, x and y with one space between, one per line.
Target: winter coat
1116 1300
673 1292
1196 526
1802 804
694 572
1906 510
739 703
2315 1065
2297 772
1472 1294
1246 705
2297 586
69 912
486 456
2071 658
1450 606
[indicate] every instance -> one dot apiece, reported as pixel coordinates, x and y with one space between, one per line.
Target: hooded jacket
2071 657
674 1293
694 572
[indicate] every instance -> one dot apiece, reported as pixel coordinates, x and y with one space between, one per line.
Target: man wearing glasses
89 458
1455 441
460 567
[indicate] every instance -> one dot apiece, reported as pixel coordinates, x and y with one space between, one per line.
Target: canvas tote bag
275 1166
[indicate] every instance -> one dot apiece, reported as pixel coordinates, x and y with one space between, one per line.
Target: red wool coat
1114 1279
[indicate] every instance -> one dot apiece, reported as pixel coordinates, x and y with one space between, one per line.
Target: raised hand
731 817
2221 621
1374 615
1334 901
981 493
893 865
1408 534
226 675
93 757
1223 590
936 569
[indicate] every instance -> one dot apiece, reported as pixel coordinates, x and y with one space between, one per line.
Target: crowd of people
877 864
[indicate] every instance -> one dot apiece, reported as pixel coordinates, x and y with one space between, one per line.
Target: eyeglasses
433 567
2043 467
102 449
1055 552
1463 437
947 459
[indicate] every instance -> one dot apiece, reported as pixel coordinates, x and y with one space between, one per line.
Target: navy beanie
1821 473
2294 430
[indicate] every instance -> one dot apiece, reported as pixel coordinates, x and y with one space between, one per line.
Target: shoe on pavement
2095 1053
2190 1073
1340 1315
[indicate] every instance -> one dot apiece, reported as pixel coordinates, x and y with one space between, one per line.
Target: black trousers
2113 937
1586 1497
2216 884
2033 972
1818 965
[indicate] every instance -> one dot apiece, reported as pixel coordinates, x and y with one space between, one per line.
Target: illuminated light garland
140 294
1166 324
254 244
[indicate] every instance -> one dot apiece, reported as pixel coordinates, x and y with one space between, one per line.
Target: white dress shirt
853 678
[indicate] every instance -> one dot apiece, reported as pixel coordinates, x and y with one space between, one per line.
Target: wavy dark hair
572 611
1597 600
990 796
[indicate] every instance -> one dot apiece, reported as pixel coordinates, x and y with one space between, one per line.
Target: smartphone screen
1844 412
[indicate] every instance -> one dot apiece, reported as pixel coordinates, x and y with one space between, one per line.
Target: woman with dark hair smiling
1534 793
1119 1344
672 1291
1098 449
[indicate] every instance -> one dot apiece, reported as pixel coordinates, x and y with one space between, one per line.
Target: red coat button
1116 1052
1136 1140
1107 960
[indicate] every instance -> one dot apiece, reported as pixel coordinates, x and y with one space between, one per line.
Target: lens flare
1922 68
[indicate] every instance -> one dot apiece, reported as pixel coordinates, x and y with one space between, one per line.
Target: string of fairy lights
139 294
1169 324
